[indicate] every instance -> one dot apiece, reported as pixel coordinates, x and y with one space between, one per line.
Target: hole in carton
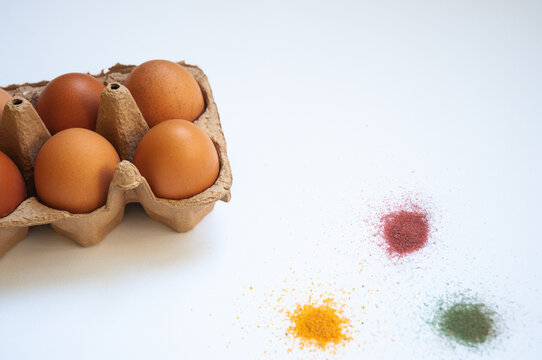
115 86
17 101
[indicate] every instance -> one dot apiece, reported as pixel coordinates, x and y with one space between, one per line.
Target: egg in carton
22 134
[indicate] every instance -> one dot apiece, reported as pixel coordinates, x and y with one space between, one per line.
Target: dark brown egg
70 101
12 187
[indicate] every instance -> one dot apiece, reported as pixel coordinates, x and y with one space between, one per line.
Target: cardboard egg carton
22 134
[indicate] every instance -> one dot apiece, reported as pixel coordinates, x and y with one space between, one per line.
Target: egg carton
22 134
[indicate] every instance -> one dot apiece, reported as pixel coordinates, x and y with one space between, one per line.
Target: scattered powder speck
305 319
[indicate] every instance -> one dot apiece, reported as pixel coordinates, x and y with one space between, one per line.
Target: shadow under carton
22 134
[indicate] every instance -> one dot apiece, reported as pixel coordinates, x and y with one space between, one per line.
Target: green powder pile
468 323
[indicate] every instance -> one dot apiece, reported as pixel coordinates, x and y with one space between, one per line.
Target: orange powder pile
319 325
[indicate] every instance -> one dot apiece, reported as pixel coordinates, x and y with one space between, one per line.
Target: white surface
329 110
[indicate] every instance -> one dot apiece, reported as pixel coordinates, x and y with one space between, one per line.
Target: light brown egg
4 97
70 101
73 170
164 90
12 187
178 159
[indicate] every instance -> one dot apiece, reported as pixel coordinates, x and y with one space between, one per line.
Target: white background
331 110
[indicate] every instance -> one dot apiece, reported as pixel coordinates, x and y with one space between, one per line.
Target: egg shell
164 90
178 159
70 101
4 97
73 170
120 120
12 188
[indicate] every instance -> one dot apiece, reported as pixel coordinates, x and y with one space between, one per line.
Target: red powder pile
405 231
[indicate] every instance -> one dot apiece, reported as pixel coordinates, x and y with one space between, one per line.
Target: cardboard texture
22 134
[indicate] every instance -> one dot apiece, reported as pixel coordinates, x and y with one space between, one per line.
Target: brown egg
74 169
4 97
178 159
12 187
164 90
69 101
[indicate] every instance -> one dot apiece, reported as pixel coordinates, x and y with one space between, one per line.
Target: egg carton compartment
22 134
